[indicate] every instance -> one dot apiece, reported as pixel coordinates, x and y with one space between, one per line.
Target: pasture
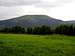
36 45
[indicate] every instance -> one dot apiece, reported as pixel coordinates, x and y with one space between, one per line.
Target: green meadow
36 45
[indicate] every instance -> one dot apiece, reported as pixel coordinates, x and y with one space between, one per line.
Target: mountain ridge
30 21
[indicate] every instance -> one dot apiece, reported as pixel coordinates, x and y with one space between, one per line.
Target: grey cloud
37 3
17 2
53 4
9 12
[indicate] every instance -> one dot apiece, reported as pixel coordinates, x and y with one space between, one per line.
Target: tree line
41 30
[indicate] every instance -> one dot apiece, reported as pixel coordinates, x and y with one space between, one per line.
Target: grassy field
36 45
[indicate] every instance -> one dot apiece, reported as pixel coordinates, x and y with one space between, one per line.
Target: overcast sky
60 9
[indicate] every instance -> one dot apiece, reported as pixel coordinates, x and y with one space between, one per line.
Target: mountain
72 22
29 21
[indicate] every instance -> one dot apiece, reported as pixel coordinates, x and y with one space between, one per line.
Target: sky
59 9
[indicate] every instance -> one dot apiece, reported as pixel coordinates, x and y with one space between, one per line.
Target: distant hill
33 20
30 21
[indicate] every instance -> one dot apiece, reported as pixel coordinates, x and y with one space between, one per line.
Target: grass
36 45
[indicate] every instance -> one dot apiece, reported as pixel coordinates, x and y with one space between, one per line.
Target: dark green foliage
45 30
65 29
62 29
29 31
36 30
15 29
41 30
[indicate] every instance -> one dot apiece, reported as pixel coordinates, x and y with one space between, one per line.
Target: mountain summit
29 21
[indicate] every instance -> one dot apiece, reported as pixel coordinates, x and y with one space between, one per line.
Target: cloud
38 3
13 8
17 2
53 3
9 12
